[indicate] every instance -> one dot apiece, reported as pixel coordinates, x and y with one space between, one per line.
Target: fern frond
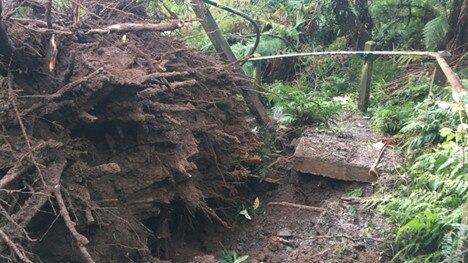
434 31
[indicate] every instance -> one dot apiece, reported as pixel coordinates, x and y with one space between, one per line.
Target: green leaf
444 132
358 192
434 31
241 259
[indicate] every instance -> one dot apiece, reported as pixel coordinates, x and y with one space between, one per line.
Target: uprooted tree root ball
124 145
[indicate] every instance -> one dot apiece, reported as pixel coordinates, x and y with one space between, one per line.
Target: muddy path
296 217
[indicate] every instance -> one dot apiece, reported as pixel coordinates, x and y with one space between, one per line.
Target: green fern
428 202
434 32
293 103
424 130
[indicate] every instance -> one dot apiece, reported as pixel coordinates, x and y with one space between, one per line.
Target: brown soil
139 151
345 230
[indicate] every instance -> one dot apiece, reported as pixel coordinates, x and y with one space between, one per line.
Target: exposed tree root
82 240
19 252
125 136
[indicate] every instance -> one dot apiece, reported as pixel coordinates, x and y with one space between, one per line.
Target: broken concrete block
346 159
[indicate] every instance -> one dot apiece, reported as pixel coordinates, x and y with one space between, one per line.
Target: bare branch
14 247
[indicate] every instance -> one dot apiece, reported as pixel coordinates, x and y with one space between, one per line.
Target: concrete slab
340 159
347 155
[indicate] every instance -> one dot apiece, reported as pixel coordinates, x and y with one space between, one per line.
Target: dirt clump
123 148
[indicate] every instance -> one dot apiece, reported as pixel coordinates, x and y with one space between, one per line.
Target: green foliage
391 118
357 192
232 257
295 103
402 24
428 202
435 31
423 130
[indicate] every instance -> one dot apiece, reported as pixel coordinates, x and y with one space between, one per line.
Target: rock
285 232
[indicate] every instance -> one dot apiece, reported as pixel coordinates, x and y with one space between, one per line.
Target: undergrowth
292 104
426 202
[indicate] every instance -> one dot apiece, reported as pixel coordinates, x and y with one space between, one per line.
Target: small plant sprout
233 257
246 214
357 192
256 204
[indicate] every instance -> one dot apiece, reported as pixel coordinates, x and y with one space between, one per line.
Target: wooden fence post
366 75
438 77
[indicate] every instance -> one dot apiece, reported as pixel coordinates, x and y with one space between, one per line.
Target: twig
82 240
12 98
38 23
283 241
12 12
349 238
14 247
352 199
13 173
78 5
281 158
304 207
48 14
162 75
70 86
8 217
34 203
264 179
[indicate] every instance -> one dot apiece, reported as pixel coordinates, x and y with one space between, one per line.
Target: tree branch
132 27
14 247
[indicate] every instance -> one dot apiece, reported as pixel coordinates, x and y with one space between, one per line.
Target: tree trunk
365 23
222 47
457 37
355 29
